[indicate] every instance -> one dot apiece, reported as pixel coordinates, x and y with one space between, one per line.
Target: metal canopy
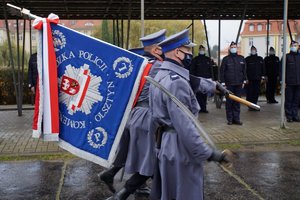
158 9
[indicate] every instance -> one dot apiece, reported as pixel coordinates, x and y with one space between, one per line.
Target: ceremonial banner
97 83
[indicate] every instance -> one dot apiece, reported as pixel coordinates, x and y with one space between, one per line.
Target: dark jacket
272 66
32 70
202 67
255 67
292 69
233 70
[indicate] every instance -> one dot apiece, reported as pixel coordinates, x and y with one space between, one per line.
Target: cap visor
190 45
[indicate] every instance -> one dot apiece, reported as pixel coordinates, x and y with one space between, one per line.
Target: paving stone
259 127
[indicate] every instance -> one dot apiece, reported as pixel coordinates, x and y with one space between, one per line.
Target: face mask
201 53
272 53
233 50
294 49
253 52
187 60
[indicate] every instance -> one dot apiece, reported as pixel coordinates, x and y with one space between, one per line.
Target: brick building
255 33
84 26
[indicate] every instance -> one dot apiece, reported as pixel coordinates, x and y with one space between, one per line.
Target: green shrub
7 89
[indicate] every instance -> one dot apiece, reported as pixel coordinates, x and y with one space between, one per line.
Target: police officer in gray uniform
107 176
141 146
182 151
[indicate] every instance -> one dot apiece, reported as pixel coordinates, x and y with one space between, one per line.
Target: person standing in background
272 73
32 74
233 76
292 84
255 74
202 66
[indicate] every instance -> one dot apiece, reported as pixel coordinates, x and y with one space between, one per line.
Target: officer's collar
294 53
176 67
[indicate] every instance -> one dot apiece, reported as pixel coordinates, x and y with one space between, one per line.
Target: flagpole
282 110
142 18
23 11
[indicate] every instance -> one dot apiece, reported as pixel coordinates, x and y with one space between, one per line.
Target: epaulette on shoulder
174 76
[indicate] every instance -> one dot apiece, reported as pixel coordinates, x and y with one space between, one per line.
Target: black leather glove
218 156
223 91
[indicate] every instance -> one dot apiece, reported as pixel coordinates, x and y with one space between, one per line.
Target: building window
251 27
73 22
259 27
250 42
270 25
89 24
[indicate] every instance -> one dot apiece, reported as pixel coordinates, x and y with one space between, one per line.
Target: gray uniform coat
180 172
141 149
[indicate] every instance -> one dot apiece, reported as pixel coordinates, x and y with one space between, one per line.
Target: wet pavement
269 175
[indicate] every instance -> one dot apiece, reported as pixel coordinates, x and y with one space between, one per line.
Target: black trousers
233 107
253 90
135 182
292 98
202 100
271 89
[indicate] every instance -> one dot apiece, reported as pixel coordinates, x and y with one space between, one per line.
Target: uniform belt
159 134
144 104
168 129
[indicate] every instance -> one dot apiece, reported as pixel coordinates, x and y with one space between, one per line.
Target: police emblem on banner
79 89
97 82
59 40
87 93
122 67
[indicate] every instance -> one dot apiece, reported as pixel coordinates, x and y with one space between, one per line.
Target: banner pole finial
15 10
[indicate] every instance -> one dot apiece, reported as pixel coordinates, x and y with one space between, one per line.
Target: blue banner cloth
97 86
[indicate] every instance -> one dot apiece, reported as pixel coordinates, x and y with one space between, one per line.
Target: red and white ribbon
46 105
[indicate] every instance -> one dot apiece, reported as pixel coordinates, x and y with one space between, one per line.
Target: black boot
108 177
123 194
